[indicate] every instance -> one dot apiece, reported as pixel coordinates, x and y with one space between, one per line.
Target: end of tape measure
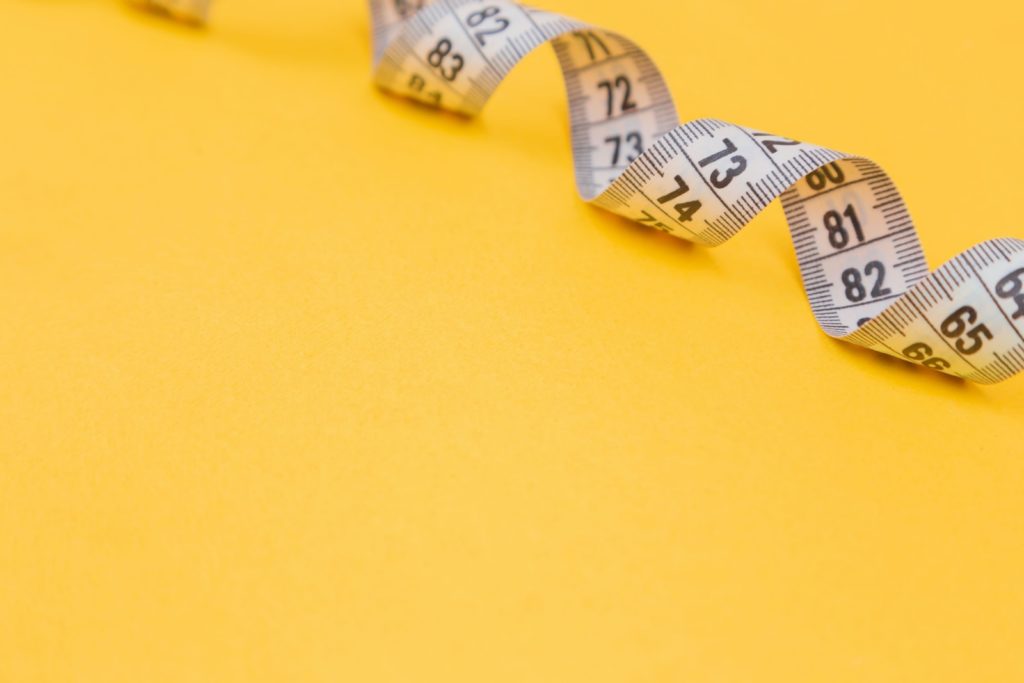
186 11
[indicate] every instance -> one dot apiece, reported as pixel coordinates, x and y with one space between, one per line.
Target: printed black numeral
648 219
853 282
633 139
773 145
487 13
417 84
830 173
627 90
838 236
739 164
955 327
922 353
591 40
1010 288
442 53
684 209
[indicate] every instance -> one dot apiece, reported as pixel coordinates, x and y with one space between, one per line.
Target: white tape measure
860 259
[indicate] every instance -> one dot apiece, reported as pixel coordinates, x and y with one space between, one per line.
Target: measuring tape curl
862 266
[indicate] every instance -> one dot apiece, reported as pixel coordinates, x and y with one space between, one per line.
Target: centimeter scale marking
861 262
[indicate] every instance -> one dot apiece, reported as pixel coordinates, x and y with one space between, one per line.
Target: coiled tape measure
862 266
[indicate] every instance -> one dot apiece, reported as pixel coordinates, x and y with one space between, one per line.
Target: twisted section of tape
861 262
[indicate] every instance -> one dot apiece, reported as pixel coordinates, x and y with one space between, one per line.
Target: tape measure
861 261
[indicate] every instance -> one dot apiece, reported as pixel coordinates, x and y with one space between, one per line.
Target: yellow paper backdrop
299 382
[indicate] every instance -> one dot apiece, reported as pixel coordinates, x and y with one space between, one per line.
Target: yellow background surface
300 382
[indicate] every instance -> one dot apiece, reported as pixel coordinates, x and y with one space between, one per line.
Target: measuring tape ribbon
861 262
